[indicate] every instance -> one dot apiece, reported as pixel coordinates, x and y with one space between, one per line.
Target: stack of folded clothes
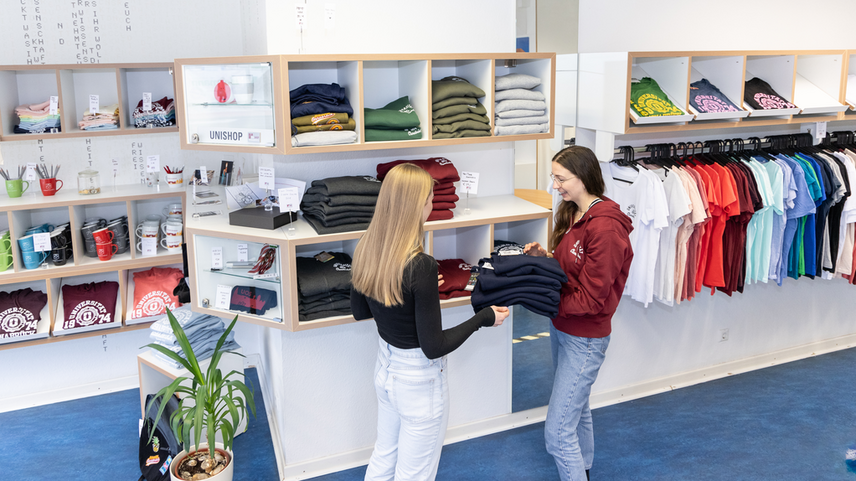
444 172
531 282
394 121
340 204
456 274
507 248
20 312
202 330
323 286
162 114
456 109
321 115
519 109
36 118
107 118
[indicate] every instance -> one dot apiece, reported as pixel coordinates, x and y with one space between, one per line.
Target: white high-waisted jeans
413 412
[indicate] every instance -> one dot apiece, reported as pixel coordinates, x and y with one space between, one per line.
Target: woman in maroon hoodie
591 241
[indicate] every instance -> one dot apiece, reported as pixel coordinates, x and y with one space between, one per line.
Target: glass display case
230 104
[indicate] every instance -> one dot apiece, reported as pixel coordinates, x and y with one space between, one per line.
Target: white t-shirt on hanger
679 205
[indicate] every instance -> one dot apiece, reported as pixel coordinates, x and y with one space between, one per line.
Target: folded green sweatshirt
381 135
473 108
463 125
318 119
460 117
451 101
299 129
461 133
397 115
454 87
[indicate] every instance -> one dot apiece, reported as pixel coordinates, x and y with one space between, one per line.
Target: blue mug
26 243
33 260
40 229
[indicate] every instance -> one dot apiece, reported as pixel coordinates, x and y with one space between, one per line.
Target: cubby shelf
135 201
814 80
370 81
469 237
121 84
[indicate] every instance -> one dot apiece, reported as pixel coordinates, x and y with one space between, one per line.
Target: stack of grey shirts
323 286
518 108
202 330
340 204
456 111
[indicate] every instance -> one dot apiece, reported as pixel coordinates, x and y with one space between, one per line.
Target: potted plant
210 403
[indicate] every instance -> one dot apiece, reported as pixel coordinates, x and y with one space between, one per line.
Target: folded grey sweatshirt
507 105
514 114
518 94
348 184
325 137
521 129
313 197
541 119
322 229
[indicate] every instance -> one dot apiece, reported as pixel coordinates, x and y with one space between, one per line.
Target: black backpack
157 455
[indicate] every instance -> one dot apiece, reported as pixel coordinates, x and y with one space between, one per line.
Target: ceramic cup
59 256
171 242
49 186
106 250
148 229
103 236
172 209
5 244
171 228
33 260
242 88
5 261
59 239
15 188
26 243
175 181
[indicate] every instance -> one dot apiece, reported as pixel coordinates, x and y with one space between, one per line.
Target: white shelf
770 112
812 100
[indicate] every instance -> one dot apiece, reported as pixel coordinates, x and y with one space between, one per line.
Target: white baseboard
273 425
69 393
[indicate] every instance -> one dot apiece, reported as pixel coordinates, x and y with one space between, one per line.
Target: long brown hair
581 162
394 235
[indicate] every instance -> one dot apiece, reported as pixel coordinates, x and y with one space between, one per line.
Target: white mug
174 181
171 242
171 228
148 229
172 209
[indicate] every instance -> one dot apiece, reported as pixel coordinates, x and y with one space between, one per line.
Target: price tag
203 175
289 199
147 101
115 167
30 175
41 242
216 258
93 104
270 275
266 179
820 130
243 253
224 295
150 246
470 182
329 16
152 163
54 104
300 16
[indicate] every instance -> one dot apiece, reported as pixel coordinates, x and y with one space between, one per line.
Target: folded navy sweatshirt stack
518 108
323 286
202 331
315 99
531 282
340 204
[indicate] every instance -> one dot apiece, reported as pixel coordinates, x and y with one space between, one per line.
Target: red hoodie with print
595 254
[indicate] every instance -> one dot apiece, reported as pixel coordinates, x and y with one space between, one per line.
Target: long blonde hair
394 236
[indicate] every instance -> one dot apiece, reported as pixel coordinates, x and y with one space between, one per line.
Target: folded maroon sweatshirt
441 215
440 168
443 206
456 274
445 198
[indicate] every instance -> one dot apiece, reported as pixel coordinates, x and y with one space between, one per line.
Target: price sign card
216 258
93 104
30 175
54 104
266 178
289 199
150 246
224 295
41 242
115 166
243 253
203 175
152 163
470 182
820 130
147 101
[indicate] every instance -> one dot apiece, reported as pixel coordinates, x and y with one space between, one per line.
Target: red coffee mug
103 236
106 251
49 186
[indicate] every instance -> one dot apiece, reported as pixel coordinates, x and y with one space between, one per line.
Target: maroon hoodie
595 254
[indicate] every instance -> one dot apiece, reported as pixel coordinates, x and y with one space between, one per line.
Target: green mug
5 261
5 244
13 187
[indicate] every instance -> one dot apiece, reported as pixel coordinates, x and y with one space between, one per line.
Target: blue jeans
568 430
413 412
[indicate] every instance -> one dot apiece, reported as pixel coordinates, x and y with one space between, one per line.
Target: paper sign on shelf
147 101
329 16
470 182
30 175
224 295
203 175
243 253
152 163
41 242
269 275
93 104
266 178
289 199
115 166
820 130
216 258
300 16
150 246
54 104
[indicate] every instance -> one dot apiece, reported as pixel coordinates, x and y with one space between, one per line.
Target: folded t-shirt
348 125
253 300
319 119
648 100
759 95
705 97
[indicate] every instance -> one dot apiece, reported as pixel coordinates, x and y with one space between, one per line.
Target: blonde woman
395 282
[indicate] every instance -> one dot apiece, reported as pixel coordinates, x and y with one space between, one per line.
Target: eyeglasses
557 179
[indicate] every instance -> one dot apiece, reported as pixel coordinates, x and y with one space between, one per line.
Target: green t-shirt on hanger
648 100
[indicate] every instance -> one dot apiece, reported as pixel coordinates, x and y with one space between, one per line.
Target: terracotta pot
225 475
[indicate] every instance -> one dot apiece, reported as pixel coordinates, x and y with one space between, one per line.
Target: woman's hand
440 280
499 313
534 249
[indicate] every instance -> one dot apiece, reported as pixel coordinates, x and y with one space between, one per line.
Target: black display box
260 219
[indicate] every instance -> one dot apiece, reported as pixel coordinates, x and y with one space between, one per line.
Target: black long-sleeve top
417 321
